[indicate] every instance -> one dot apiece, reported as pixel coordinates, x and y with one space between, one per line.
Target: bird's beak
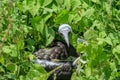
65 36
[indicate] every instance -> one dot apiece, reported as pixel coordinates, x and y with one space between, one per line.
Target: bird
58 55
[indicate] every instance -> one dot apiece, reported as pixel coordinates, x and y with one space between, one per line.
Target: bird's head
64 30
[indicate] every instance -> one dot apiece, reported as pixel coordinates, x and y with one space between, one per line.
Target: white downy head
64 29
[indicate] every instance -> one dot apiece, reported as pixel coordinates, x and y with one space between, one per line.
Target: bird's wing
52 53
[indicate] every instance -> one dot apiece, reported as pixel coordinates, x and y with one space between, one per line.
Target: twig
51 72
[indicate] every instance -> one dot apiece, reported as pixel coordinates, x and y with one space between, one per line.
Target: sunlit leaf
102 34
116 53
39 68
20 44
75 4
2 60
32 6
67 4
62 17
116 49
88 71
73 39
96 1
37 72
80 48
10 50
13 51
38 24
6 49
50 34
90 34
108 40
88 13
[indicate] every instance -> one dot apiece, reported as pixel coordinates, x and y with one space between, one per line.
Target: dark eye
61 34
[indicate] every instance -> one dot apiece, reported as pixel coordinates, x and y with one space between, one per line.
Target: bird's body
54 57
57 55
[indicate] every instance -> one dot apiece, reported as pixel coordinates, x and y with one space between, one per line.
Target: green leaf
114 38
73 39
116 49
75 4
88 71
12 67
10 76
59 1
50 34
37 72
102 34
96 1
10 50
38 24
89 12
90 34
2 60
99 25
34 7
30 5
6 49
22 78
62 17
13 51
32 74
2 69
20 44
116 53
80 48
47 16
47 2
22 6
39 68
108 41
67 4
113 66
31 42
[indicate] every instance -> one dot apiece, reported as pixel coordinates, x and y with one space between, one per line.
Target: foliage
28 25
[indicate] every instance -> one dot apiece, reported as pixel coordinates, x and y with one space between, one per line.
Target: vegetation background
28 25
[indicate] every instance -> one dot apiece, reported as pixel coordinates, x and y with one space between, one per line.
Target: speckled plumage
58 52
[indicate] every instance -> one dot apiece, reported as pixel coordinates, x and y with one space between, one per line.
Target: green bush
28 25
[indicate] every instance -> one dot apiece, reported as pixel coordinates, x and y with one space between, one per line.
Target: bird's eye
61 33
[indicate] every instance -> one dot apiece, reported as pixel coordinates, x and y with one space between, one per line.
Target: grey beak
64 29
65 36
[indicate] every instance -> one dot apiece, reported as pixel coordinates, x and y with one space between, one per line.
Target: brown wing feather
57 52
